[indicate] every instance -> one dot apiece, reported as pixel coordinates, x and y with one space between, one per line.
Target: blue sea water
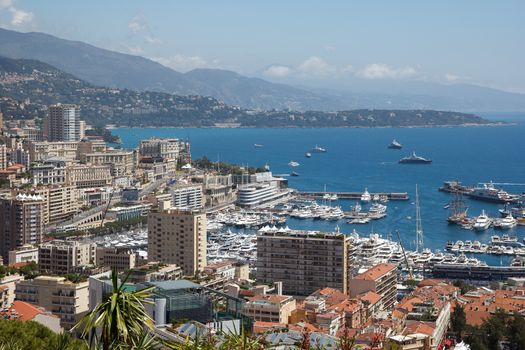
359 158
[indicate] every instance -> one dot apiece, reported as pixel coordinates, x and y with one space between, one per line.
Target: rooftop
376 272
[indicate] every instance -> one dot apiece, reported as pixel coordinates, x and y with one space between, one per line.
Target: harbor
394 196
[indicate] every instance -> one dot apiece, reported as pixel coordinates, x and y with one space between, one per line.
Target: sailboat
457 209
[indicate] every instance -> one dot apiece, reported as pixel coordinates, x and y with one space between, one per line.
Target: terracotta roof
220 264
370 297
25 311
260 326
270 298
420 327
376 272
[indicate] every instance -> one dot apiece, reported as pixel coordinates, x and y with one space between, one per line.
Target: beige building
86 176
380 279
67 300
23 254
162 148
270 308
121 162
91 145
117 258
61 257
61 202
7 288
177 237
303 261
42 150
22 222
63 123
3 156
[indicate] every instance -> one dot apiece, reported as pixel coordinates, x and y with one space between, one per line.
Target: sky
319 43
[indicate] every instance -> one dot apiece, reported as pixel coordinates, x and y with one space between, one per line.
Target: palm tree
120 319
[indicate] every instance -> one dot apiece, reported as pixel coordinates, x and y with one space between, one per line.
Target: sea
358 159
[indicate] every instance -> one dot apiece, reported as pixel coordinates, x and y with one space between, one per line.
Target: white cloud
277 71
138 27
315 66
451 77
185 63
5 4
383 71
136 24
20 17
348 69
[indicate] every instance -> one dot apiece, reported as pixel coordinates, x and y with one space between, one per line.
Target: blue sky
321 42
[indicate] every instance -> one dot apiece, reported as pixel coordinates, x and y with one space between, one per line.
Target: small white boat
366 197
308 155
293 164
318 149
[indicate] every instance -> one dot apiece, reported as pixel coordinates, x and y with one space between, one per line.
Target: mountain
27 87
107 68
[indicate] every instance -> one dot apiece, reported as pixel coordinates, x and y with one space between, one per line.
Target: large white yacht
366 197
482 222
508 222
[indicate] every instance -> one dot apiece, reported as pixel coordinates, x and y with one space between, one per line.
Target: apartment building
87 176
380 279
187 197
303 261
63 298
3 157
177 237
22 221
51 172
117 258
61 257
63 123
61 202
23 254
270 308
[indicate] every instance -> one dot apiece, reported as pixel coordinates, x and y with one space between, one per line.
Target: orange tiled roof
370 297
269 298
260 326
420 327
376 272
25 311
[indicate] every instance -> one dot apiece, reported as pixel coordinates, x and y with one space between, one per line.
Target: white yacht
482 222
508 222
366 197
318 149
377 208
293 164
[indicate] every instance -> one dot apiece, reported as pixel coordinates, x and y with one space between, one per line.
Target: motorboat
395 145
293 173
414 159
293 164
318 149
366 197
308 155
482 222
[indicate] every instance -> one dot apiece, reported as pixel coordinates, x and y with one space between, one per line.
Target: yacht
293 164
487 192
395 145
366 197
364 220
318 149
334 197
308 155
507 222
293 173
414 159
377 208
482 222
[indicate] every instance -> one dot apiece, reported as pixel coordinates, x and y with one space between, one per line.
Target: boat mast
419 227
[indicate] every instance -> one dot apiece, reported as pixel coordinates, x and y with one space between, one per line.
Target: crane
106 209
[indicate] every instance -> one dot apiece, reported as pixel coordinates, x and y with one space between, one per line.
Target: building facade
63 123
303 261
380 279
61 257
177 237
21 222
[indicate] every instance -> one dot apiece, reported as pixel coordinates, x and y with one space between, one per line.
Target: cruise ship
414 159
487 192
395 145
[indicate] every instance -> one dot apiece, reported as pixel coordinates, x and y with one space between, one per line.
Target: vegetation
29 271
498 329
121 318
224 168
464 287
458 320
29 335
109 228
104 133
43 85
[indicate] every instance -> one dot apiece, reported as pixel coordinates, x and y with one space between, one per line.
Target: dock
478 273
393 196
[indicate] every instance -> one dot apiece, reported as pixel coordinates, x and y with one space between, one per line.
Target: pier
393 196
478 273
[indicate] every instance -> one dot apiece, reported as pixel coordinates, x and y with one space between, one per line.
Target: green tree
517 332
119 320
458 320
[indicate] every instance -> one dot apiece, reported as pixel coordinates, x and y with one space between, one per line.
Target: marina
394 196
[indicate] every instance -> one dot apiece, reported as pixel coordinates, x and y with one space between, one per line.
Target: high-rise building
380 279
3 157
21 222
187 197
177 237
303 261
63 123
